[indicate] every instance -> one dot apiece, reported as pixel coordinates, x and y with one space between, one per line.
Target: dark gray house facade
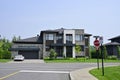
62 40
112 47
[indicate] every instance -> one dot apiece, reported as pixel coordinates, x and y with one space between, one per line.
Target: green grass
78 60
111 73
4 60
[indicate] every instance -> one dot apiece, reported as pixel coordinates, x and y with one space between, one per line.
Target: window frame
79 37
69 38
49 36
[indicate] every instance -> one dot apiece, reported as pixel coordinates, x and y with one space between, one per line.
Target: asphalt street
39 76
40 71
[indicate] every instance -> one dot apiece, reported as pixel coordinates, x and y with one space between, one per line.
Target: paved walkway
82 74
28 61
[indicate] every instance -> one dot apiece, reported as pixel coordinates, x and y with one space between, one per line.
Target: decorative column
44 45
64 51
73 51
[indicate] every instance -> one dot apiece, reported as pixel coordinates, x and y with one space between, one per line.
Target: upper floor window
49 37
59 38
79 37
69 38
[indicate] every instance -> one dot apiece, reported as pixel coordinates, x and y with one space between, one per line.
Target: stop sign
96 43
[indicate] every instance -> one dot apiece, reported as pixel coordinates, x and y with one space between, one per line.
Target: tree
118 50
93 52
4 49
77 49
16 38
1 50
105 52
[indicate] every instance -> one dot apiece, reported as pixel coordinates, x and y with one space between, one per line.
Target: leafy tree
118 49
89 51
77 49
4 49
16 38
93 52
105 52
19 38
1 49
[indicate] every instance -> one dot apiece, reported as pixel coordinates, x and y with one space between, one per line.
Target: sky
26 18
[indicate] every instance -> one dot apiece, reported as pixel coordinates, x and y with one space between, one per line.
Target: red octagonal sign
96 43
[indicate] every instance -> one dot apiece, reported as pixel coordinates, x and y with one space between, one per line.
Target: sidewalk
82 74
28 61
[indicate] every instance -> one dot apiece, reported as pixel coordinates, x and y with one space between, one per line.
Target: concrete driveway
28 61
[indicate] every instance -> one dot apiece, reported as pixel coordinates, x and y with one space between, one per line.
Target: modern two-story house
112 47
62 40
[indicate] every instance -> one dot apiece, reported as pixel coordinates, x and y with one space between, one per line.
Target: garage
29 54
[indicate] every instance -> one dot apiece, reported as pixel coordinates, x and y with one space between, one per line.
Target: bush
53 54
46 58
113 57
94 54
72 58
4 49
7 56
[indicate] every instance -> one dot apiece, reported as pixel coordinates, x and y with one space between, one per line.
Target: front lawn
78 60
4 60
111 73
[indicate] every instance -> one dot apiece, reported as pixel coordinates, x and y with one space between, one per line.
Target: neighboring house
62 40
112 46
30 48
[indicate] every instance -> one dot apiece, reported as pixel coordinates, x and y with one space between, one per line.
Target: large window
79 37
59 39
49 37
69 38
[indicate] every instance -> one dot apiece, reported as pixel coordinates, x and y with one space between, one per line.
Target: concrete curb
82 74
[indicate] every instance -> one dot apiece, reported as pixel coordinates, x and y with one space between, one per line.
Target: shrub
113 57
7 56
105 52
46 58
118 50
4 49
53 54
72 58
94 54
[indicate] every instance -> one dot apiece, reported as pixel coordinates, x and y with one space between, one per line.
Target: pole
102 60
97 50
97 58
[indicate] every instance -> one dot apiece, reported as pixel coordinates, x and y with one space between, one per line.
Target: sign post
97 44
101 42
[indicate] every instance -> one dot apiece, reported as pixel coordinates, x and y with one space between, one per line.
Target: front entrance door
59 51
69 51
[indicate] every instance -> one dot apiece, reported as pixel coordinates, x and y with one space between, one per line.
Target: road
40 71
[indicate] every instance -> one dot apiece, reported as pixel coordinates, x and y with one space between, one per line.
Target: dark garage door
29 54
